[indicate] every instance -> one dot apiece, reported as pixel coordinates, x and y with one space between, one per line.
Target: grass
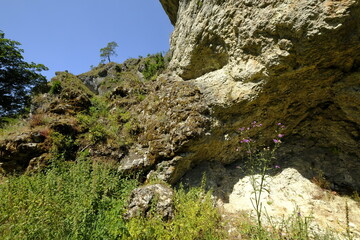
70 200
87 200
13 126
195 218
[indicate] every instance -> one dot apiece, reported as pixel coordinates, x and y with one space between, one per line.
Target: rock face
288 194
158 196
295 62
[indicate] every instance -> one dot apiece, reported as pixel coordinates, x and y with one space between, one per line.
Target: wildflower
277 166
281 135
279 124
242 129
254 122
276 140
245 140
259 125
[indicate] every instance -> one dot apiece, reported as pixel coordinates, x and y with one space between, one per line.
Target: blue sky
68 34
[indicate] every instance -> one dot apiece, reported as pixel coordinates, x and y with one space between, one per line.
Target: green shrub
55 87
101 124
195 218
62 146
153 66
74 200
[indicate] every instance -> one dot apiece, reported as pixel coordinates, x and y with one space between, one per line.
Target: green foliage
195 218
74 200
105 126
86 200
108 51
55 87
62 146
153 65
100 123
295 226
18 79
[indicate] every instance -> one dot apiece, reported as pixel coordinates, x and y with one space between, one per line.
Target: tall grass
86 200
78 200
195 218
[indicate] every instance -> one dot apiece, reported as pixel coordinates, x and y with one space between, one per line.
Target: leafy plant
259 162
74 200
153 65
100 123
195 218
62 146
55 87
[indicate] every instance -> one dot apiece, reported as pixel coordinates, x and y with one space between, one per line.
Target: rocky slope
235 65
295 62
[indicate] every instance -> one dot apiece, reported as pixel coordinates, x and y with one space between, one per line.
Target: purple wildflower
277 166
276 140
242 129
281 135
259 125
279 124
245 140
254 122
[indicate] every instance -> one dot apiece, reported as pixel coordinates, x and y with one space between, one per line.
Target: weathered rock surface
17 151
151 199
295 62
289 195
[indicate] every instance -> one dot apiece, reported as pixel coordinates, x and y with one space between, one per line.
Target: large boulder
295 62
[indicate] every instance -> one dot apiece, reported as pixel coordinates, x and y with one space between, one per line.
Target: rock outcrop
289 195
295 62
151 199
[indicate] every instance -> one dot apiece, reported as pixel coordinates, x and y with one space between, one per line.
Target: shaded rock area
155 199
289 195
275 61
18 151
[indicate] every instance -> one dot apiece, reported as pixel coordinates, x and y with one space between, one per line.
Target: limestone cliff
295 62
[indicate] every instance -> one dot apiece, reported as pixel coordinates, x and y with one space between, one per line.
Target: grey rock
151 199
296 62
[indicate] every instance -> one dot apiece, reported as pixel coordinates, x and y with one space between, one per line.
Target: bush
195 218
74 200
55 87
101 124
153 66
86 200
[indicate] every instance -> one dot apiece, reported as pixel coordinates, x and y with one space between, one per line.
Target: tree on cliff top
18 79
108 51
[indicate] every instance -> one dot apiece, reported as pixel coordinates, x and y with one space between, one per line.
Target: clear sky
68 34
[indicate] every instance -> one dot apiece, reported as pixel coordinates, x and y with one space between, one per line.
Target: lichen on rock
276 61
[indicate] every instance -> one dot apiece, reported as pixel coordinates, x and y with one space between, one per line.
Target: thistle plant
259 162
